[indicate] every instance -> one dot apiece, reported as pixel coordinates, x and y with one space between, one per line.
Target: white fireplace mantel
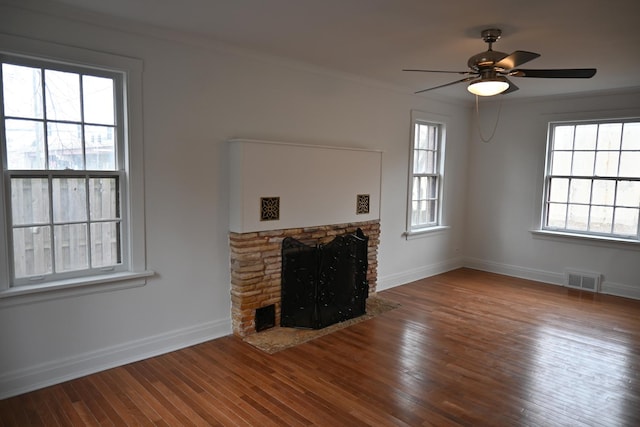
313 185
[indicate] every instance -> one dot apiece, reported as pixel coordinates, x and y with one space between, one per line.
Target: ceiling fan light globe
488 87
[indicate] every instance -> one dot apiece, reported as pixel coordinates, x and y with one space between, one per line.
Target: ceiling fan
488 71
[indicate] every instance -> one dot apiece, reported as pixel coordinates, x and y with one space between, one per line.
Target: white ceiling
376 39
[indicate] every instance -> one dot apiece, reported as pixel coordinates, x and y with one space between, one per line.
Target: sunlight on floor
579 376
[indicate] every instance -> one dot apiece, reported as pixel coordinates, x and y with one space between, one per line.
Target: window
425 182
592 180
69 172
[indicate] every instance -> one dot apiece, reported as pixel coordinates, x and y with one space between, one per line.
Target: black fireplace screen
324 284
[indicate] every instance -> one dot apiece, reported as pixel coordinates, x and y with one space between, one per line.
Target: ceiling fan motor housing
485 59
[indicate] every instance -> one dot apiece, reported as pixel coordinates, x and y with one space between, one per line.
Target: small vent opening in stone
265 317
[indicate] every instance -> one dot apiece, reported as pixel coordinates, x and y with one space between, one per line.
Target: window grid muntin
617 179
118 172
431 200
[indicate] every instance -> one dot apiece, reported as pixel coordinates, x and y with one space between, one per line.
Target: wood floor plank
465 348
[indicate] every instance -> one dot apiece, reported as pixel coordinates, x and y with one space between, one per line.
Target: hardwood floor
465 348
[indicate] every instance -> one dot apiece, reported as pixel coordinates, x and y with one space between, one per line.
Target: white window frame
559 232
133 272
421 118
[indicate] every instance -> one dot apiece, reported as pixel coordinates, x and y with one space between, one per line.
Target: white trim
585 239
57 371
515 271
30 294
393 280
425 232
299 144
549 277
620 290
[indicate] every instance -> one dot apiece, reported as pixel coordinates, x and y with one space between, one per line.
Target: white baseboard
610 288
54 372
620 290
515 271
393 280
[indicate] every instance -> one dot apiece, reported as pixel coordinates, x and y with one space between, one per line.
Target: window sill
424 232
587 240
29 294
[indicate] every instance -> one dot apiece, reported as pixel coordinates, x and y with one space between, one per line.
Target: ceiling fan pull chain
495 125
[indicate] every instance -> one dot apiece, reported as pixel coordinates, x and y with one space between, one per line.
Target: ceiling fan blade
516 59
566 73
466 79
512 87
441 71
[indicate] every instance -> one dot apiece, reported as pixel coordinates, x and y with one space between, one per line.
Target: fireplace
304 192
256 267
324 284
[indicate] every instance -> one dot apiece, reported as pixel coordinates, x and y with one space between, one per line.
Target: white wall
315 185
195 98
505 194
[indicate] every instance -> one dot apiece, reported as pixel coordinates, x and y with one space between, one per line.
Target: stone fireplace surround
256 262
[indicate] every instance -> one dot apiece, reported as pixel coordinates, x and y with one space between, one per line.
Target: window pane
423 212
630 164
583 163
563 138
603 192
29 201
69 199
98 100
22 91
628 194
559 191
70 247
432 182
416 188
25 144
586 137
420 161
561 163
63 95
432 141
578 216
32 251
415 213
65 146
557 215
105 244
100 148
431 162
626 222
601 219
609 135
431 211
631 136
580 191
607 163
103 198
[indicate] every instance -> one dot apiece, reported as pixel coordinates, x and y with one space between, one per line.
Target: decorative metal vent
269 208
586 281
362 204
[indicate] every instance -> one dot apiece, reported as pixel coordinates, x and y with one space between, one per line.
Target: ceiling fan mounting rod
491 35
